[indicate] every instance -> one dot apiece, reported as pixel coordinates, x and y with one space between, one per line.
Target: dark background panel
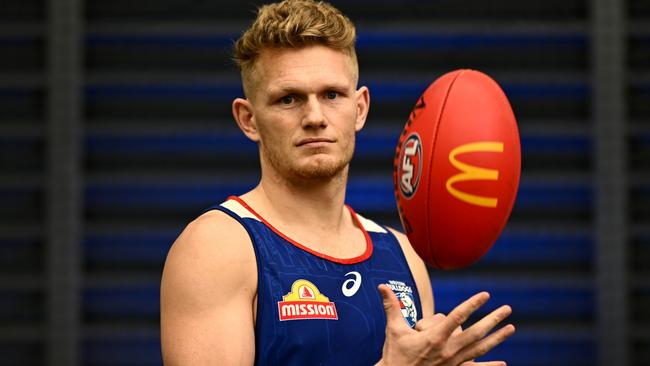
157 145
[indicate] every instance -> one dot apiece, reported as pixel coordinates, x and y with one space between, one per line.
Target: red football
457 167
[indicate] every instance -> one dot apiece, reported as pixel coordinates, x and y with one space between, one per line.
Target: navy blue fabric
356 337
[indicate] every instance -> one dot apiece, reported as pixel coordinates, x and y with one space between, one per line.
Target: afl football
456 169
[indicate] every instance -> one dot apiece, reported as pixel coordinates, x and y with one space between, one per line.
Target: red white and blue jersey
313 309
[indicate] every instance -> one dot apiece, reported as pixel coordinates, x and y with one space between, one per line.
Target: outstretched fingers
477 331
440 338
482 347
461 313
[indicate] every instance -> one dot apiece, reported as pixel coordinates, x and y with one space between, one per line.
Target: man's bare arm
207 292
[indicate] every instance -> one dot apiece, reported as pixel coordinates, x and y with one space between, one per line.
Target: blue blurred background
115 132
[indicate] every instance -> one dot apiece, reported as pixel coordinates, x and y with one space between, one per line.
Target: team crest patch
305 301
404 294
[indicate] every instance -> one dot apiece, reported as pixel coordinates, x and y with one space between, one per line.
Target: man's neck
316 204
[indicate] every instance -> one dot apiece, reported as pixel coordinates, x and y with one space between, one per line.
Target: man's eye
332 95
286 99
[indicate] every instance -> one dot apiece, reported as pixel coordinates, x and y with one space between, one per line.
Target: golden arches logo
471 172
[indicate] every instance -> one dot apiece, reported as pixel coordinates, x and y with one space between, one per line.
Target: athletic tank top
313 309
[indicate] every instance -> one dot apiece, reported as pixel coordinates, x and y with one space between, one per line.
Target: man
287 274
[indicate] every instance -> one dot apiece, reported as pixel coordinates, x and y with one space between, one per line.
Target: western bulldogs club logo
410 165
305 301
404 294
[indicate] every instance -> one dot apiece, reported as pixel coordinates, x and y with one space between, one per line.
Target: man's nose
314 116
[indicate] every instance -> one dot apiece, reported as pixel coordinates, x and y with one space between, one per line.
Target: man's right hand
439 340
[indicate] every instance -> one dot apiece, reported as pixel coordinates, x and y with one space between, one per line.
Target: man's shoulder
210 240
214 226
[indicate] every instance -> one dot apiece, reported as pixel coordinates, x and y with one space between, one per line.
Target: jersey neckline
365 255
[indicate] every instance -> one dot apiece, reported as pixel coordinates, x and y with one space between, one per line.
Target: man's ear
242 111
363 105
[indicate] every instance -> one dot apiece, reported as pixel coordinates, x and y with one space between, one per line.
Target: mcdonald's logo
471 172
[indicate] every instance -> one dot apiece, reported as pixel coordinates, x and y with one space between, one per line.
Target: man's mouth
315 142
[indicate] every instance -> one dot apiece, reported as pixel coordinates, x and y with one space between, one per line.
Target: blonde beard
315 170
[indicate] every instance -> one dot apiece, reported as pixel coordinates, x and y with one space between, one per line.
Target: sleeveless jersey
313 309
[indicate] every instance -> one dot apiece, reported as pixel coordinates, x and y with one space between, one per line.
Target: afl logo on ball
410 165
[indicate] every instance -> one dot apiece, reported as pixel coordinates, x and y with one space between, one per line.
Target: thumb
391 307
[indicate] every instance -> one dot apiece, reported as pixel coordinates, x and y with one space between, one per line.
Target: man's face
306 110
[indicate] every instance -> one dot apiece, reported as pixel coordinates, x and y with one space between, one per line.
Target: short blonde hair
293 24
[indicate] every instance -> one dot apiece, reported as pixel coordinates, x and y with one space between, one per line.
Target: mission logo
305 301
